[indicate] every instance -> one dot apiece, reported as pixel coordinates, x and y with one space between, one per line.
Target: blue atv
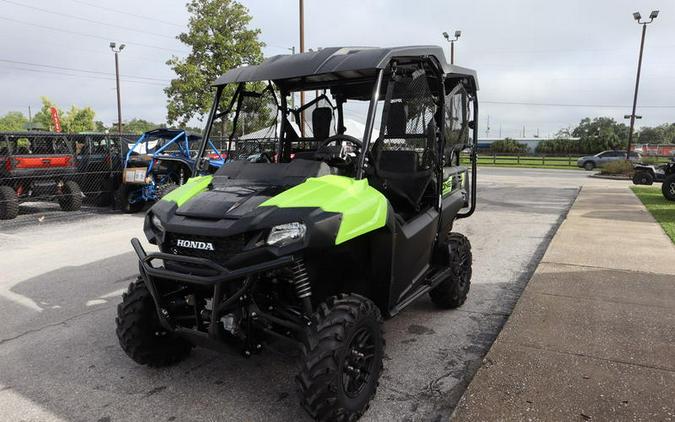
158 162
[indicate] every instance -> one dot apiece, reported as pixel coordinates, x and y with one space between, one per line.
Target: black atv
664 173
668 185
336 232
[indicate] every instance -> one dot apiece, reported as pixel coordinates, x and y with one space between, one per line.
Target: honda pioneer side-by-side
37 167
331 233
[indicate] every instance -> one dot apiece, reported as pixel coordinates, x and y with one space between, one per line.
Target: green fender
363 208
187 191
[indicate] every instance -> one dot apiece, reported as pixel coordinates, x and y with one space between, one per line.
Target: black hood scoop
226 202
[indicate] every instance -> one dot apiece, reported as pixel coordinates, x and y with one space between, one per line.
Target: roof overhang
337 63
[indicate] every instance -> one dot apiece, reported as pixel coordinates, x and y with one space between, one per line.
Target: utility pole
292 50
30 119
117 81
452 44
302 50
644 24
487 128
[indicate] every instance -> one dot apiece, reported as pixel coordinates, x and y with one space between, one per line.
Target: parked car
589 162
37 167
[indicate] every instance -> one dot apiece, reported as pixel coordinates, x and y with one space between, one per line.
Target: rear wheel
123 195
342 362
140 333
589 165
668 187
70 198
9 203
451 292
643 178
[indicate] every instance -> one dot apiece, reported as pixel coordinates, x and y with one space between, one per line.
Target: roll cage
435 105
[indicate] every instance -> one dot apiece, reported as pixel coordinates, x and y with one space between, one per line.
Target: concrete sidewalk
593 335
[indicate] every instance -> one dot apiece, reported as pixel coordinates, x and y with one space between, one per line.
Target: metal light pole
117 50
452 44
644 24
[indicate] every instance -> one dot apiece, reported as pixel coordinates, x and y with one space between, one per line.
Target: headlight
157 223
286 233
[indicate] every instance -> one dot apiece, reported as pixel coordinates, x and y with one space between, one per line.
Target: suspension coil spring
301 279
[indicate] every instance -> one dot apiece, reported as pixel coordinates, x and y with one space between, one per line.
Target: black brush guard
213 339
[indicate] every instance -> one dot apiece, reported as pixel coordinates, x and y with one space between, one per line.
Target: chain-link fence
85 170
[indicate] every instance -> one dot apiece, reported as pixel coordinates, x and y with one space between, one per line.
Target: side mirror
472 124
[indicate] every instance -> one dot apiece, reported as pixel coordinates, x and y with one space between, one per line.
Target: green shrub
509 146
618 167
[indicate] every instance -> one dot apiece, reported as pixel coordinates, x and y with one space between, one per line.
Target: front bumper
152 275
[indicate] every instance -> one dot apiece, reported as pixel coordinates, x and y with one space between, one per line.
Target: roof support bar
372 110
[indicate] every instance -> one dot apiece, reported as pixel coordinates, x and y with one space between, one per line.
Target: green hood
191 188
363 208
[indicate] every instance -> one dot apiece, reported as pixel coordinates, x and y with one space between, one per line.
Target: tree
78 120
13 121
75 120
601 133
509 146
139 126
220 39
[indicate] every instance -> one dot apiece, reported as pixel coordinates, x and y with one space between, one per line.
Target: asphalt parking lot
60 281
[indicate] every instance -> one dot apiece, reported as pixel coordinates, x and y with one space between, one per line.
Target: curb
609 176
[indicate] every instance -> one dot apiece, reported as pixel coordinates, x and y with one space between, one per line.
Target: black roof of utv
337 63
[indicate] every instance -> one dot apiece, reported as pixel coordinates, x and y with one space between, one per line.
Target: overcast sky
581 55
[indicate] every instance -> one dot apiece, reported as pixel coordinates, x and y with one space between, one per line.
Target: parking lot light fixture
452 44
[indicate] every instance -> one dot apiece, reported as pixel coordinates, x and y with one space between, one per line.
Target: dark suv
37 167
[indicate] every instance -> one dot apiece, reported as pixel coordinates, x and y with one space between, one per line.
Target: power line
85 76
126 28
90 35
127 13
78 70
572 105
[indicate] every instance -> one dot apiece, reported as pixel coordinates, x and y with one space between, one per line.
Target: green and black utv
325 232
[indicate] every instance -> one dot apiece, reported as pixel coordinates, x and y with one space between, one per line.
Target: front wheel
140 333
643 178
9 203
589 165
70 198
342 362
668 187
451 292
123 198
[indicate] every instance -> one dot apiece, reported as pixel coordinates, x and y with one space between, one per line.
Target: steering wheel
337 156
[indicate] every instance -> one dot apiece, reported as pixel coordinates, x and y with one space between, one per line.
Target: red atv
37 167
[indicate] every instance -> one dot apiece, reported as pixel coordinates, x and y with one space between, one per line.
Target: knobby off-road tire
451 292
165 189
122 201
9 203
342 362
140 333
668 188
70 198
643 178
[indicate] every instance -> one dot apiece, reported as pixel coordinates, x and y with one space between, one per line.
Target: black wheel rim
358 364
